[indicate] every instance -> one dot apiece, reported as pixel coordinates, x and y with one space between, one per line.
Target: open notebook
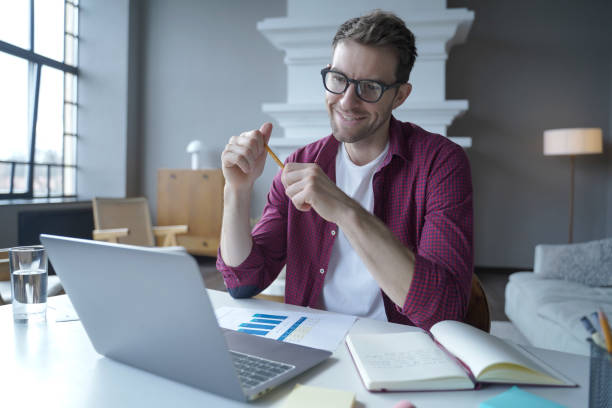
452 356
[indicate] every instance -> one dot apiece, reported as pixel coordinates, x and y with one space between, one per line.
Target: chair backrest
4 266
193 198
130 213
478 314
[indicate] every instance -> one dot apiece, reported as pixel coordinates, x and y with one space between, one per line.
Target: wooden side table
193 198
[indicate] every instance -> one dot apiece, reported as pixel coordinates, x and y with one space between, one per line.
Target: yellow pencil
605 328
275 157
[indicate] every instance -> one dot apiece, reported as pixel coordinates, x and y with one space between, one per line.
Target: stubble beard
355 135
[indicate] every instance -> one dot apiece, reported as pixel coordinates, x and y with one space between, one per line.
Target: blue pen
587 325
595 335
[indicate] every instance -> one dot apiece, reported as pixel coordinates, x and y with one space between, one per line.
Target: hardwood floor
493 281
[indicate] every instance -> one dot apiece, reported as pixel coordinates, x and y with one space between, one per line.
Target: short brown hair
381 28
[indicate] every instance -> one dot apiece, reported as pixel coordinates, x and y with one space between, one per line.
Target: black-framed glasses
368 90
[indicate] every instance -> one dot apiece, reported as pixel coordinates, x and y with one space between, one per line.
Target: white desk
54 365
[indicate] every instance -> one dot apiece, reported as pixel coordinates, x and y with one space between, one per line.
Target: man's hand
244 157
309 187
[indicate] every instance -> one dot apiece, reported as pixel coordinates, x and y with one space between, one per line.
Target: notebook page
406 356
478 349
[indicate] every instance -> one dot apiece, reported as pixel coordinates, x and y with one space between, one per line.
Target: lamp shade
558 142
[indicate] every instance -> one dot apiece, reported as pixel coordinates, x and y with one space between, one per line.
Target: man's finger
299 201
266 131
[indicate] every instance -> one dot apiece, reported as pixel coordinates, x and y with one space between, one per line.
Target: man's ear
402 93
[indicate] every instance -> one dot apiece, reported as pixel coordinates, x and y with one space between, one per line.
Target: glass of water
28 265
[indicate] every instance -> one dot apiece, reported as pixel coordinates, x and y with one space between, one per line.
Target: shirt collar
398 142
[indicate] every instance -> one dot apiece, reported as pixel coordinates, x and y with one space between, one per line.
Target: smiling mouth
350 118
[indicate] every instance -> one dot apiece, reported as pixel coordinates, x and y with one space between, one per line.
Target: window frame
35 64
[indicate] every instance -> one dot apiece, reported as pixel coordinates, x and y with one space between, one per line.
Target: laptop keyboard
254 371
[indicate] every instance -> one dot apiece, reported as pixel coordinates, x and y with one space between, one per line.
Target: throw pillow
589 263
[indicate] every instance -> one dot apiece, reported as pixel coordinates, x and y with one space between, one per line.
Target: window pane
70 125
49 129
72 19
14 108
49 28
15 22
70 87
70 56
70 150
40 181
20 182
5 178
69 181
55 181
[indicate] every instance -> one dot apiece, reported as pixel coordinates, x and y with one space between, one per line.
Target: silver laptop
149 309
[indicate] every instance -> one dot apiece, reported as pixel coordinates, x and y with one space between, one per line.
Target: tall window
38 98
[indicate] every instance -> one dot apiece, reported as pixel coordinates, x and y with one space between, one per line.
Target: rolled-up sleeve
443 266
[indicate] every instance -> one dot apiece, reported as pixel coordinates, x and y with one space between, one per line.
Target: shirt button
333 232
322 271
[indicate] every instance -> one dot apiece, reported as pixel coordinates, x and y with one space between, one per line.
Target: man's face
352 119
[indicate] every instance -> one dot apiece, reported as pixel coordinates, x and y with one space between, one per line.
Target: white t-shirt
349 288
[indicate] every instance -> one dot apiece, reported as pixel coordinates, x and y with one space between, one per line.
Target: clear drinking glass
28 265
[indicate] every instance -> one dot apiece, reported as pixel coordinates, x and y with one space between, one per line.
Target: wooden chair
478 313
128 221
194 198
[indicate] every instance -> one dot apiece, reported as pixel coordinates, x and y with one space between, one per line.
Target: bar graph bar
267 321
261 324
258 326
256 332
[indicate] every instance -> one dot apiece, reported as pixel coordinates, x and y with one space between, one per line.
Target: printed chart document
322 331
410 361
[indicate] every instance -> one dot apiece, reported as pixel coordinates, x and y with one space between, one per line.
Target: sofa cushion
548 311
567 314
589 263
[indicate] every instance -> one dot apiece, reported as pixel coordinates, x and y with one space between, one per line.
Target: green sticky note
515 397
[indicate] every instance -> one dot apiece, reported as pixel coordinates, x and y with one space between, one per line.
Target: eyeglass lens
369 91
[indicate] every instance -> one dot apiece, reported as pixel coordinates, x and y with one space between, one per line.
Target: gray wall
103 98
529 66
134 92
206 72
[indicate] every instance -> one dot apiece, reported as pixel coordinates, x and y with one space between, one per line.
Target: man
374 220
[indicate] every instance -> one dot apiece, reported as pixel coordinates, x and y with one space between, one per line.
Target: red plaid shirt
422 192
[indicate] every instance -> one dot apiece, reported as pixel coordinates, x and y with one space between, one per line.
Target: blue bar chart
308 329
261 324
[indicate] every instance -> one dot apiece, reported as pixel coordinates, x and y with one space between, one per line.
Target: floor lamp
572 142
